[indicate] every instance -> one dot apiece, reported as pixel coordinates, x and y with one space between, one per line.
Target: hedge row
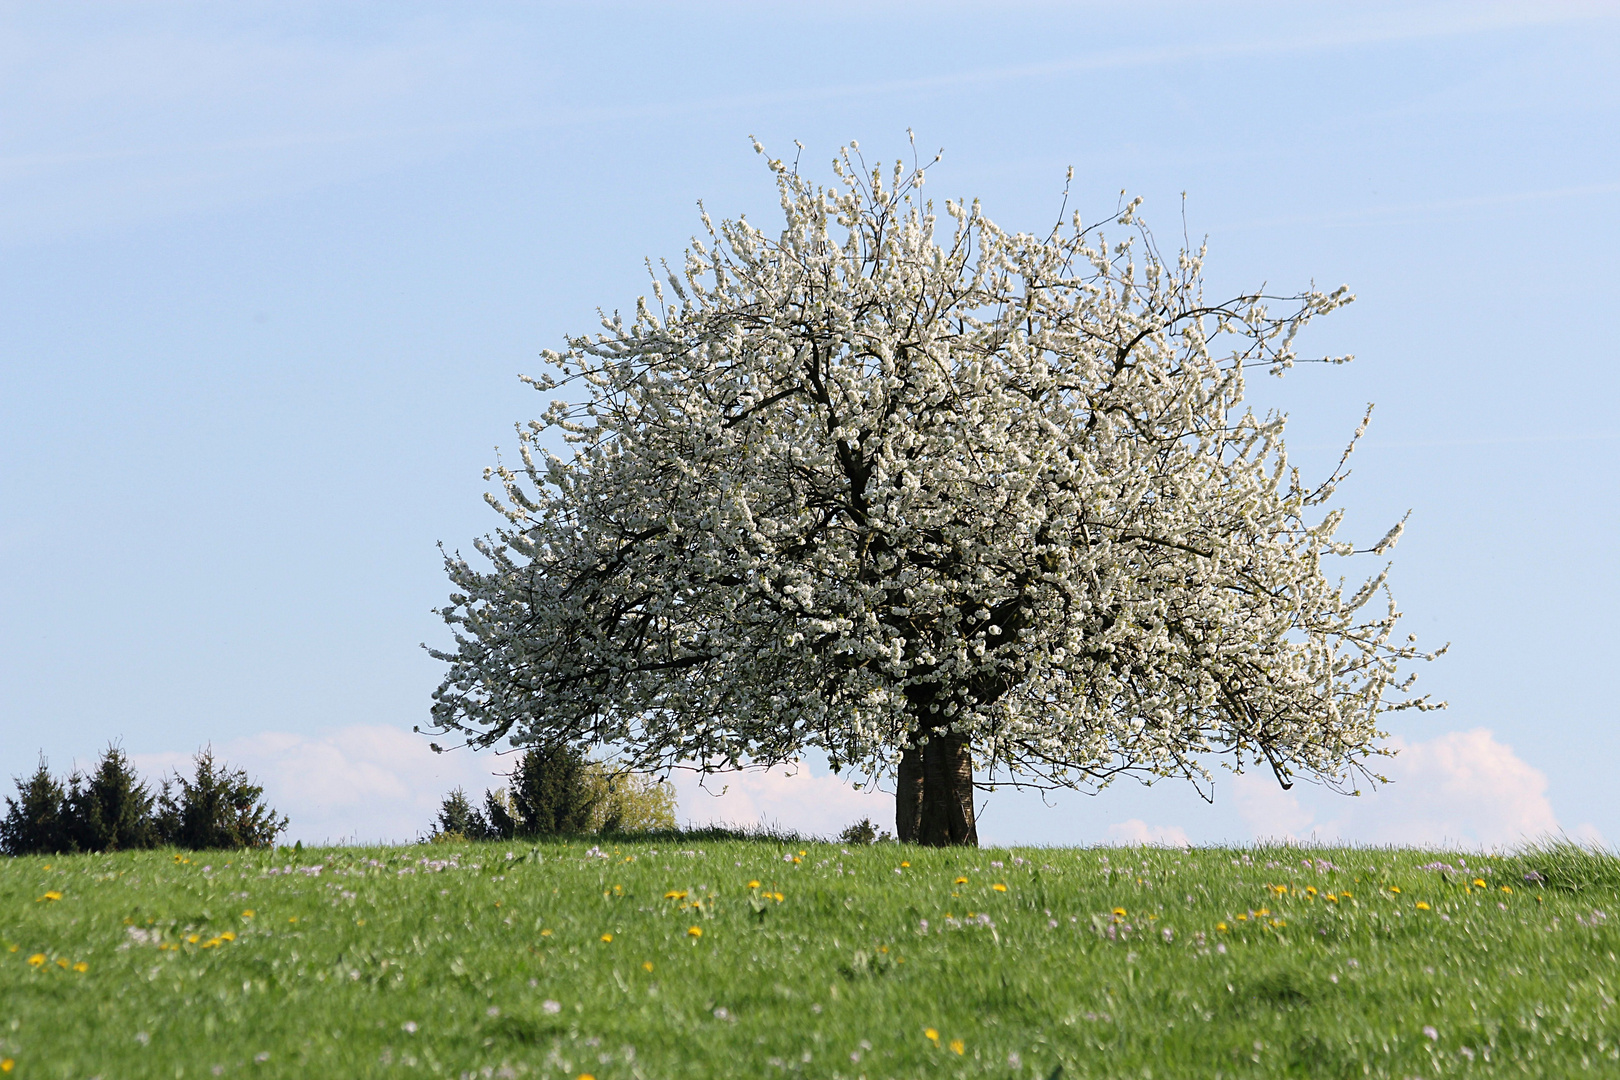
112 810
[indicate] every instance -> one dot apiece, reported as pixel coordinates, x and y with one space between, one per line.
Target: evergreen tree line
110 809
558 791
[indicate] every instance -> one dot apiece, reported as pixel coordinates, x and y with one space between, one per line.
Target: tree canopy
949 504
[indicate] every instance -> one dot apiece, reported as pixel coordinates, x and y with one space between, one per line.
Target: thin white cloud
369 783
137 118
1411 212
1136 831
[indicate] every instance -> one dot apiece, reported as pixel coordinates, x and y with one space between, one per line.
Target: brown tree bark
934 794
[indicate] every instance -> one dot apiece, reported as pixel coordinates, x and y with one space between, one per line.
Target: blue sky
270 273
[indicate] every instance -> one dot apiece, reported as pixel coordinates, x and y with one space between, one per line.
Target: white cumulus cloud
358 784
1462 788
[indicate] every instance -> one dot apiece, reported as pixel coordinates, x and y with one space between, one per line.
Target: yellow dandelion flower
1280 890
778 897
586 1076
1506 889
7 1064
247 914
694 931
1279 923
646 965
795 860
958 1046
61 963
1394 888
545 933
607 937
81 967
1221 927
1479 883
999 887
37 960
210 943
193 939
804 853
1344 894
1310 890
674 895
931 1035
53 895
1421 906
905 865
1263 912
1120 912
1242 918
1330 896
960 881
753 884
293 919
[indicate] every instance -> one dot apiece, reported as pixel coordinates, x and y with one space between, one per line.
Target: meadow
686 956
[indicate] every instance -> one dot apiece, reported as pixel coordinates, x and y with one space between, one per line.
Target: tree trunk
908 795
934 795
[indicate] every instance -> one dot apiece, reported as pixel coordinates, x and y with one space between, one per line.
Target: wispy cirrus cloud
118 119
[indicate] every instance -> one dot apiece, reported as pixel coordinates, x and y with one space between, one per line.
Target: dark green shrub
111 810
551 793
217 808
503 824
35 822
459 819
863 832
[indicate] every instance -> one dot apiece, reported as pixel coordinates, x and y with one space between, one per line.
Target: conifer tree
36 822
111 809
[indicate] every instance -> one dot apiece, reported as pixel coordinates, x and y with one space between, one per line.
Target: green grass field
684 957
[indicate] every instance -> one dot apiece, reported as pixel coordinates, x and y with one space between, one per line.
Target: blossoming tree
951 505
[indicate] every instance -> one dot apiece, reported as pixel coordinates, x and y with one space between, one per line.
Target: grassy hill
681 957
